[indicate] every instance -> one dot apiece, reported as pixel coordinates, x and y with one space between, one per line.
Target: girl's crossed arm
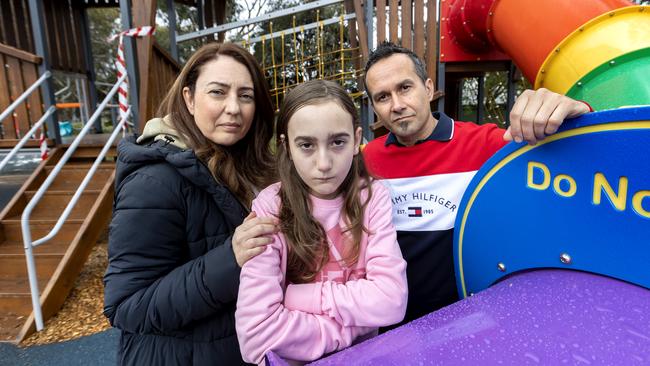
264 324
379 299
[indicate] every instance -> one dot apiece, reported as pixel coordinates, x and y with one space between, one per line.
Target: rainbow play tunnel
592 50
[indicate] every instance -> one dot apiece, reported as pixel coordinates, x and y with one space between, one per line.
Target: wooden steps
58 261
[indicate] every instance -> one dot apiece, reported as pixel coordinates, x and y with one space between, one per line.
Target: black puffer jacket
172 279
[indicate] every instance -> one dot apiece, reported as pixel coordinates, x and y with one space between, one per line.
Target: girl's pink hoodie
302 322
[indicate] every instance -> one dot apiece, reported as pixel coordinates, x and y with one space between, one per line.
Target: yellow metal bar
322 49
318 44
263 53
342 46
302 50
295 51
275 79
284 71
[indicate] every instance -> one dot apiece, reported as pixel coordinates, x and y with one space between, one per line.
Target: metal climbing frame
318 50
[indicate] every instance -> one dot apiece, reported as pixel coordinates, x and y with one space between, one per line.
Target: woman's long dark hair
249 162
306 238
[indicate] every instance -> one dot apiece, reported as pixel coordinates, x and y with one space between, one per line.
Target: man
427 160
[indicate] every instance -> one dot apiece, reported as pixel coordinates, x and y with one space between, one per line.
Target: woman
180 231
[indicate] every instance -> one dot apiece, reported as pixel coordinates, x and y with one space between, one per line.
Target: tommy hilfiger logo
415 211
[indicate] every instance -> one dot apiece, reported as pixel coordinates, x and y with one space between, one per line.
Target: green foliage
494 99
103 23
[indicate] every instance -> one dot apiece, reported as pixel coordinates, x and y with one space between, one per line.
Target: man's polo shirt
427 182
443 131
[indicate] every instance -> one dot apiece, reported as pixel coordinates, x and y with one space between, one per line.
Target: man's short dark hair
387 49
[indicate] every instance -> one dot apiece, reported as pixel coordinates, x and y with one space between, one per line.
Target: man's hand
539 113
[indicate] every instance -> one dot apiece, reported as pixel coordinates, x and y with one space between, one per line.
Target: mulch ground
81 314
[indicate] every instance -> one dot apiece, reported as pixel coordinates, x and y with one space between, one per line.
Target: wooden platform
60 260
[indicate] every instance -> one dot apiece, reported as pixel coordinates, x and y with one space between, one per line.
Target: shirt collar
443 131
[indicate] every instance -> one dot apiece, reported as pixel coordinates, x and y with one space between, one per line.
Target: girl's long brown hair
249 162
308 249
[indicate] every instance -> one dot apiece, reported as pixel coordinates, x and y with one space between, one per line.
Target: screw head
612 63
501 267
565 258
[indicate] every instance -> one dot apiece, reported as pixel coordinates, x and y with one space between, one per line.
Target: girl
335 273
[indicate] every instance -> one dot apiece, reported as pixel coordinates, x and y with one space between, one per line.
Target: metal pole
480 115
511 91
199 10
171 15
26 137
91 90
441 67
131 61
86 108
81 102
441 87
24 95
203 31
47 89
369 113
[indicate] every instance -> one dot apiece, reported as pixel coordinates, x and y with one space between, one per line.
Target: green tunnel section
622 81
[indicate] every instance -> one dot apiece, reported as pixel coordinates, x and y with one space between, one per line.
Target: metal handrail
24 95
27 136
24 220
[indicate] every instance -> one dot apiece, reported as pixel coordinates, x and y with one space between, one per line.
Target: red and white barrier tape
123 89
42 144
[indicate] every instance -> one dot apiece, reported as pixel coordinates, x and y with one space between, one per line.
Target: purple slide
546 317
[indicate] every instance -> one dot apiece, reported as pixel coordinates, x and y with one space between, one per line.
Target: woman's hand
252 236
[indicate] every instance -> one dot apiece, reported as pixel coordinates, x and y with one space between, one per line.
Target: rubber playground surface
97 350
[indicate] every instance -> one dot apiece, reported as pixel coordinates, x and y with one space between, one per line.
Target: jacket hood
161 129
153 147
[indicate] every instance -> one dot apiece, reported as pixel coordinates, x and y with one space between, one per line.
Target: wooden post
91 99
220 14
407 30
419 40
47 88
171 15
131 59
144 13
432 41
393 20
381 21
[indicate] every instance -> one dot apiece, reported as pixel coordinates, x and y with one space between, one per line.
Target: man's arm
539 113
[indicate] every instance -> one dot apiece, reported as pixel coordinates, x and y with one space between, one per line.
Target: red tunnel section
525 30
